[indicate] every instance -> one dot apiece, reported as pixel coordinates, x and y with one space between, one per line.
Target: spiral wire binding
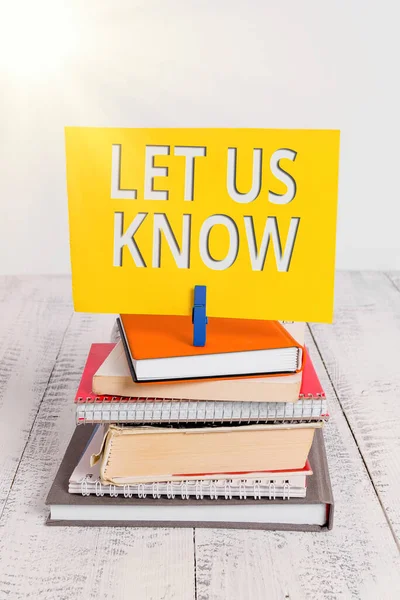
272 491
186 489
84 487
286 488
98 489
150 410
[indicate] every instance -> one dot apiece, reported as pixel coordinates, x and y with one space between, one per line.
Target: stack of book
225 435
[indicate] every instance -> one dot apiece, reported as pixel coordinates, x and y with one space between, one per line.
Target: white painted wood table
43 346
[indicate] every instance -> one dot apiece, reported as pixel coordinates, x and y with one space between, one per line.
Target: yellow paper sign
250 213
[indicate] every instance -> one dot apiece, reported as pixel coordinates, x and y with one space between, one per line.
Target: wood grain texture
357 559
394 277
68 563
362 354
35 312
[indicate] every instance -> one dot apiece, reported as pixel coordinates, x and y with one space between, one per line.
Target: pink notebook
310 385
92 408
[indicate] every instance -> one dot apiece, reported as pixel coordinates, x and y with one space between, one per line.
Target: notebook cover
97 355
163 336
222 340
318 491
310 385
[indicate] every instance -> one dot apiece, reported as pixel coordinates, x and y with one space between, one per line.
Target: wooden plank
394 277
35 312
357 559
70 563
362 352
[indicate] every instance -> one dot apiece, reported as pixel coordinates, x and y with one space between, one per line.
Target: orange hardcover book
160 348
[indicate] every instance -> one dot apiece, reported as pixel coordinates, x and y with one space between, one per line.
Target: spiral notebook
93 408
312 513
85 480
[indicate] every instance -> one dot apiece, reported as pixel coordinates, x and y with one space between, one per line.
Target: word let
190 154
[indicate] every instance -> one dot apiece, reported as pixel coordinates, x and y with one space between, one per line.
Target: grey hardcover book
312 513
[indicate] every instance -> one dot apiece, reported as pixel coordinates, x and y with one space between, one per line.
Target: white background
293 64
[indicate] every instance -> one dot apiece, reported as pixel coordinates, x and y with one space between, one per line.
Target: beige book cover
140 454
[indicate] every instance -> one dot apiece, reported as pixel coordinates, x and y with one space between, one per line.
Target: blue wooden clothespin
199 318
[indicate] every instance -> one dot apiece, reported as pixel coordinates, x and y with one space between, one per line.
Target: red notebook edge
310 385
306 470
97 355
